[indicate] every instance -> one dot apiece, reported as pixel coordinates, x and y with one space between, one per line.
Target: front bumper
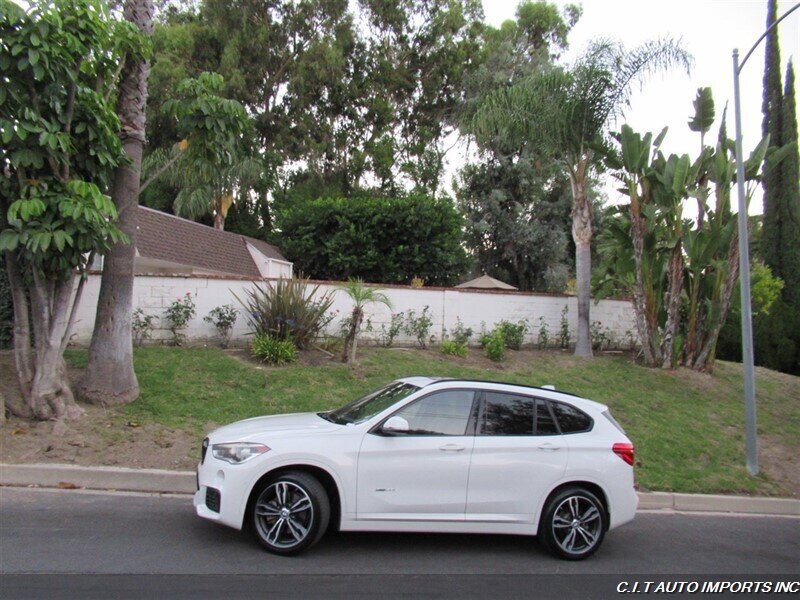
230 487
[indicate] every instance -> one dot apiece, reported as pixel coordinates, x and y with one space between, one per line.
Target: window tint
442 413
508 414
545 425
570 418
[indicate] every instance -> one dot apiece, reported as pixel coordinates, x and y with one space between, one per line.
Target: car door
421 474
517 457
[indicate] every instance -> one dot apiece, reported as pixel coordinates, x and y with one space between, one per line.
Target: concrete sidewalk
183 482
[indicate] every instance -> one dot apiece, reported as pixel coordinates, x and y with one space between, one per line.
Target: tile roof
166 237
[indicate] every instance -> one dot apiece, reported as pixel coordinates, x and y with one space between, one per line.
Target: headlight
237 452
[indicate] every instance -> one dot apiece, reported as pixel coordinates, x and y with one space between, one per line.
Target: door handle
548 446
451 448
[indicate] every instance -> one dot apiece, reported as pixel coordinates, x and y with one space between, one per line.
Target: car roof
546 392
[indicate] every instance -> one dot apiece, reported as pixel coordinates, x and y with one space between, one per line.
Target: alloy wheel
284 514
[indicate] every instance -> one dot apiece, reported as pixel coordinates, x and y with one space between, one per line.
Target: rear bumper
624 502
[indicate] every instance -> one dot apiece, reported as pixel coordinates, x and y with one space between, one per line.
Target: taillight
624 451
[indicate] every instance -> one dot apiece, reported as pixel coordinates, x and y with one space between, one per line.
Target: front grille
203 451
213 499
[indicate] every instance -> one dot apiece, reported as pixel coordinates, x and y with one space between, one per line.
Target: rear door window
507 414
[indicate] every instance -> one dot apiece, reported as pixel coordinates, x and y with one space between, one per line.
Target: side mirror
395 425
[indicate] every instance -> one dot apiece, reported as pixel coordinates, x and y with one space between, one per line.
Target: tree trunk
219 221
22 328
640 298
110 378
695 315
41 371
675 282
705 358
582 235
351 340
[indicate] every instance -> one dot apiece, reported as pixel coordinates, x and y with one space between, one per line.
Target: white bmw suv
426 455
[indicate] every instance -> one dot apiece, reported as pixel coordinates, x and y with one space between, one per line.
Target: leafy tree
382 240
60 148
210 164
562 115
109 376
361 295
774 325
517 222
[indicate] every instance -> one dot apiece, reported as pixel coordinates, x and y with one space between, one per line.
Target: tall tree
789 210
563 115
517 222
771 107
59 150
110 378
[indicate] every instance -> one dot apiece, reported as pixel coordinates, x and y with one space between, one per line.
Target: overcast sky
710 30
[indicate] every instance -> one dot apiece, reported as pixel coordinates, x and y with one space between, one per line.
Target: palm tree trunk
110 378
351 340
582 235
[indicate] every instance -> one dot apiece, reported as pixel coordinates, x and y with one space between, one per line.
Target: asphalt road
108 535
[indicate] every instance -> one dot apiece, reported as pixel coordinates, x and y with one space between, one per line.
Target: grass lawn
687 426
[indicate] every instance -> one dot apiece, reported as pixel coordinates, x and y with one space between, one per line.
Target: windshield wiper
328 417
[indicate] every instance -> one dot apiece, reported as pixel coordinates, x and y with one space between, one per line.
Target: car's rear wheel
290 513
573 524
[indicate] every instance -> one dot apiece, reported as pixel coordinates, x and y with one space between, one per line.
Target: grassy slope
687 426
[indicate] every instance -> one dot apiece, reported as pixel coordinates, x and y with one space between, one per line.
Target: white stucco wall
154 293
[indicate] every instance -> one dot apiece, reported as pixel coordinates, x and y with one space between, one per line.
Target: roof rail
548 388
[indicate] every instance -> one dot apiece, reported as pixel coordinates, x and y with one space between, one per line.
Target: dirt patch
101 437
779 462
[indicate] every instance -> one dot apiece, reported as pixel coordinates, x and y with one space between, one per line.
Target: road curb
183 482
98 478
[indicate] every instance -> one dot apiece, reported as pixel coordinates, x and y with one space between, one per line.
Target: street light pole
751 434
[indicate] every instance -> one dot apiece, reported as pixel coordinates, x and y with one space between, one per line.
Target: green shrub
273 350
141 326
288 310
494 345
223 318
454 348
460 333
420 326
340 238
543 339
563 332
513 333
392 331
179 313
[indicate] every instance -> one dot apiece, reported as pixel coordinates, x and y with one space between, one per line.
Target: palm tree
564 115
208 188
361 295
110 378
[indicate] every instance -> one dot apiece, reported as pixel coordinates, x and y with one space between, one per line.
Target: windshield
370 405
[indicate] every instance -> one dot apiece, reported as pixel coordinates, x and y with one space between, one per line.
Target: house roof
169 238
484 282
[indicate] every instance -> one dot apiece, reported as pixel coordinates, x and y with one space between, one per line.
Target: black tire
573 524
309 512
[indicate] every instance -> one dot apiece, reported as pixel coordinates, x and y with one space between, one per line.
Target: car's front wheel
573 524
290 513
